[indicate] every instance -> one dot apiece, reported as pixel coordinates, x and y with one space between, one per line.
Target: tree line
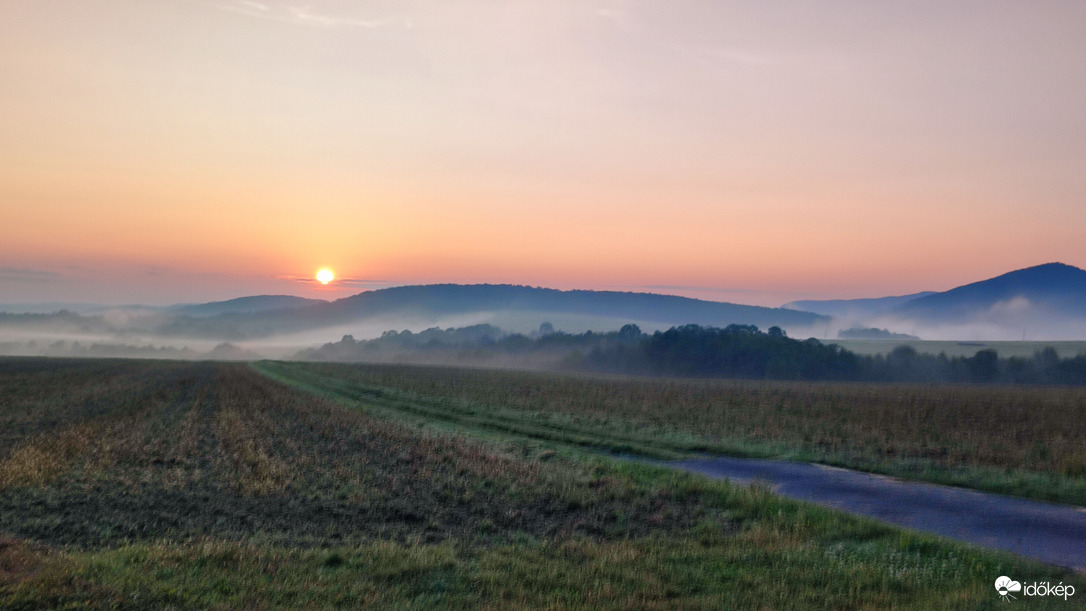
735 351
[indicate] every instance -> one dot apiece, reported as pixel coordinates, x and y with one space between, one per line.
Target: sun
325 275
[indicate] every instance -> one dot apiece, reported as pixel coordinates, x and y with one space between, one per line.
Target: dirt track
1044 531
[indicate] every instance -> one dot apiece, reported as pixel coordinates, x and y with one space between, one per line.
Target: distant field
1066 349
140 484
1014 440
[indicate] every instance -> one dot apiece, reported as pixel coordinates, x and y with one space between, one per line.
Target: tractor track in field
1048 532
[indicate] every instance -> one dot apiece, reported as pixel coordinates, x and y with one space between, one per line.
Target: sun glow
325 275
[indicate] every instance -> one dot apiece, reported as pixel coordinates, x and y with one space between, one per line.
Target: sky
757 152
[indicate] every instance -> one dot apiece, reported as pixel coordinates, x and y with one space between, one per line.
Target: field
1006 349
1023 441
140 484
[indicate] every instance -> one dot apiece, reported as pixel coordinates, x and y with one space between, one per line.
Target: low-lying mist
1009 320
146 332
135 333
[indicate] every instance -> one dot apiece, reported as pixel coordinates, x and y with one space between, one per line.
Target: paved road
1044 531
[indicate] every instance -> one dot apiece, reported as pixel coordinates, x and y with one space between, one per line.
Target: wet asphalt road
1048 532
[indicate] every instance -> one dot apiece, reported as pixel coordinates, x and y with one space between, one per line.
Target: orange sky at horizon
190 150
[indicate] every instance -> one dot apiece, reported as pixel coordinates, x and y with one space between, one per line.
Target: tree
629 332
984 366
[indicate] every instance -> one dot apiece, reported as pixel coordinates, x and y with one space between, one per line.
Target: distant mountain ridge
854 308
460 298
1046 301
437 300
242 305
1052 289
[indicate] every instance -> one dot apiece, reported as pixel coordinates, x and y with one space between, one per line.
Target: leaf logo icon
1005 585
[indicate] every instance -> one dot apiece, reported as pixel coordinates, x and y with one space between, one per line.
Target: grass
757 569
1028 442
205 485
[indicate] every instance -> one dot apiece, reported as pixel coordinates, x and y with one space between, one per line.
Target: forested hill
433 302
1052 289
244 305
459 298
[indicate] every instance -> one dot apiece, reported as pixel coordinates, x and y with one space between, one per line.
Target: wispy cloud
22 274
305 15
609 13
718 289
708 56
352 282
156 270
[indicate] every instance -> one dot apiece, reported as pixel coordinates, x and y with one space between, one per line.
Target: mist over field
125 336
1025 324
1043 303
1015 320
116 334
261 324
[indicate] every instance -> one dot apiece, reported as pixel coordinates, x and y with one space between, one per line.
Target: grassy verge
771 552
1026 442
760 568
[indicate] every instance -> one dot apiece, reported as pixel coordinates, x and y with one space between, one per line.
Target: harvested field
225 452
1025 441
206 485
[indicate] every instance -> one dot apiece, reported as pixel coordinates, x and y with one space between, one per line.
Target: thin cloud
709 55
610 13
718 289
354 282
22 274
305 16
156 270
738 55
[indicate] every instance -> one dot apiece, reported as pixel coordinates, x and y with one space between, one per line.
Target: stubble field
1024 441
139 484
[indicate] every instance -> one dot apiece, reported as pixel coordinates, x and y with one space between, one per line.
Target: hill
242 305
854 308
1049 290
669 309
1044 302
431 304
